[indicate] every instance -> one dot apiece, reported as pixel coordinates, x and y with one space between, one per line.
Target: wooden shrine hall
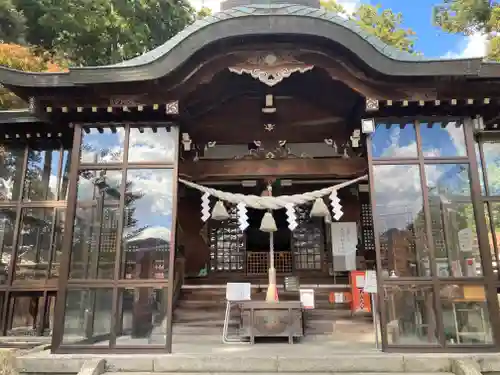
111 178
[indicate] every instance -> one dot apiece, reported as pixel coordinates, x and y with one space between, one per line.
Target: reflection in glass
7 225
465 315
491 151
64 180
493 223
443 139
87 315
27 315
102 145
394 141
143 317
400 220
411 319
96 225
34 245
147 144
11 170
40 182
453 222
148 224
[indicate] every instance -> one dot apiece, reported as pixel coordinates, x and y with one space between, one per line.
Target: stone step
269 373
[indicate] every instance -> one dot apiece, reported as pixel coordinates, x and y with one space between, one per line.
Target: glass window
102 145
143 317
465 315
148 224
491 151
96 225
27 314
444 139
493 223
34 245
411 319
151 144
64 180
11 171
453 221
87 316
400 220
41 175
7 227
394 141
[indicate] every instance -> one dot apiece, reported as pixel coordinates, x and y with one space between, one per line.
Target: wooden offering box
262 319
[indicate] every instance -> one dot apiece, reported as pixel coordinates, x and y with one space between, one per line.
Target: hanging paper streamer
205 207
291 217
336 206
242 216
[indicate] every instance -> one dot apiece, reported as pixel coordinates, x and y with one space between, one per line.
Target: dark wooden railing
179 272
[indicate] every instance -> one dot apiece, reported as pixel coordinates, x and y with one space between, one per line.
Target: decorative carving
269 127
372 105
271 68
123 101
32 104
172 108
279 152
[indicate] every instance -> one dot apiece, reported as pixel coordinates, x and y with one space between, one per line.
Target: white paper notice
238 291
307 298
370 282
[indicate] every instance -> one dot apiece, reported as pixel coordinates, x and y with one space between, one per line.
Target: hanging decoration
205 207
269 203
268 224
242 216
219 212
291 216
336 206
319 208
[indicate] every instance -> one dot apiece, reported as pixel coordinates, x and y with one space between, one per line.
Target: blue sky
431 41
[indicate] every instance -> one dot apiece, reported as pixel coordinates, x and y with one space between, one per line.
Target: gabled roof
261 20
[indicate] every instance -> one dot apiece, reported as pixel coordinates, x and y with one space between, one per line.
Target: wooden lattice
258 262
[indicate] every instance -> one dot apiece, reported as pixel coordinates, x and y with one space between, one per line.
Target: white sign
238 291
307 298
466 239
370 282
344 238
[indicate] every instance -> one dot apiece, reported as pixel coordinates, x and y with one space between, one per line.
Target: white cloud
473 46
349 5
213 5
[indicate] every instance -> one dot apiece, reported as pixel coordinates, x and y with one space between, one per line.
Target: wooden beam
258 169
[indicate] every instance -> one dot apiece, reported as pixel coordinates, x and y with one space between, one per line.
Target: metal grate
258 262
308 241
227 244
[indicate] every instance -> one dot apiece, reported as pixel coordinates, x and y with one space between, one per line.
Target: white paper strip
205 207
242 216
291 216
336 206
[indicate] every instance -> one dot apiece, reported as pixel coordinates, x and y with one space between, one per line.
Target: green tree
98 32
12 23
469 17
383 23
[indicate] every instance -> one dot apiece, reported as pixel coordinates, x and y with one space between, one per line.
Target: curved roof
257 19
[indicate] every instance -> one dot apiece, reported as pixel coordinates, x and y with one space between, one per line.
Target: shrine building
131 194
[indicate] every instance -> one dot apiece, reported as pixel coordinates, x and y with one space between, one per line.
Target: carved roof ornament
271 68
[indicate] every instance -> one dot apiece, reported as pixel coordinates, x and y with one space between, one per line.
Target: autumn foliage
23 58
